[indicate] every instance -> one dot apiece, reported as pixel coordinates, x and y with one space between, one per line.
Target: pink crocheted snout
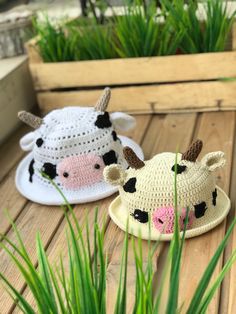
77 171
163 219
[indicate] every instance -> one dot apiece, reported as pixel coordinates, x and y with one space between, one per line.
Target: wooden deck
155 133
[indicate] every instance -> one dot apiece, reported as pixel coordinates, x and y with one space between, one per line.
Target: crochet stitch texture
149 188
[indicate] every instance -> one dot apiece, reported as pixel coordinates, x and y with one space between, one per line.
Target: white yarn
71 131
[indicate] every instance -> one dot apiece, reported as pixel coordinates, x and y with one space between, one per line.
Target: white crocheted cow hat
147 194
72 146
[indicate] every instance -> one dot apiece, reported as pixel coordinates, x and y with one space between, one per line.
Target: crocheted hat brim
213 217
41 194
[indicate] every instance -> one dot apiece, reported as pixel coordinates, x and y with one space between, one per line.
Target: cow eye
97 166
180 168
39 142
66 174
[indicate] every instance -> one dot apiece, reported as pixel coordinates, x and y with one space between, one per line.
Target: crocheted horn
132 159
30 119
103 101
194 150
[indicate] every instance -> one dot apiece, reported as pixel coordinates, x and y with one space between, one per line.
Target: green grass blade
203 284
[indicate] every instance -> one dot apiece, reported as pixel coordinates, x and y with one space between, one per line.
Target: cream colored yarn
155 183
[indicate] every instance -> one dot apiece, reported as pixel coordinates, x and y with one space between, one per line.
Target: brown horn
103 101
30 119
194 150
132 159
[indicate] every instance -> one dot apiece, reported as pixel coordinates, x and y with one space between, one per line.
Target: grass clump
200 35
142 30
53 44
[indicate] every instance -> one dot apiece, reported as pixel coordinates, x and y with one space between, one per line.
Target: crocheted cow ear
114 174
213 160
27 141
122 121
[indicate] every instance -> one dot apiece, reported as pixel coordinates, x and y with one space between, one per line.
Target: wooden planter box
179 83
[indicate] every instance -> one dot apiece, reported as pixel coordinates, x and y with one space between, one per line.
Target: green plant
53 43
83 288
210 35
140 33
80 41
94 42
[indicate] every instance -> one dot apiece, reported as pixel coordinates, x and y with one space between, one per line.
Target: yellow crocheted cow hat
147 194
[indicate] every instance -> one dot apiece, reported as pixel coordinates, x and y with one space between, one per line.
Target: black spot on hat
31 170
130 185
200 209
180 168
214 196
114 135
103 121
110 158
50 170
39 142
140 215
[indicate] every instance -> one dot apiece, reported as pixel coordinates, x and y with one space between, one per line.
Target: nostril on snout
97 166
66 174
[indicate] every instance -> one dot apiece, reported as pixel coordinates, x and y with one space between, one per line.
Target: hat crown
72 131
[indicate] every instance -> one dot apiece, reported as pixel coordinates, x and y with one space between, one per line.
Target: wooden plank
228 289
164 98
58 244
35 218
172 133
133 71
32 51
217 132
11 200
11 148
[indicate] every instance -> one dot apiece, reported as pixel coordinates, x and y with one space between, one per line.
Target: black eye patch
140 215
200 209
103 121
50 170
39 142
130 185
214 196
110 158
179 169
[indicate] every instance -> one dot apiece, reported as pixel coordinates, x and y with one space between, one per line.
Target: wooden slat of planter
58 244
33 219
201 96
217 132
205 66
172 132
